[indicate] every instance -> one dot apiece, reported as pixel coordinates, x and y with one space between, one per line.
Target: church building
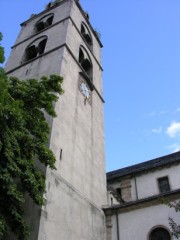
60 40
82 202
137 199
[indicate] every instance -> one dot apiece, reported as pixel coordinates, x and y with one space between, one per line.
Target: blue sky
141 61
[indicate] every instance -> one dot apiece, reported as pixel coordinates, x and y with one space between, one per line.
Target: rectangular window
118 190
163 184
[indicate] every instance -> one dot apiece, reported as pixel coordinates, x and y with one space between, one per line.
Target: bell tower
60 40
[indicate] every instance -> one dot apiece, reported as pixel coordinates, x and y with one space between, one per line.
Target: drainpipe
117 226
136 187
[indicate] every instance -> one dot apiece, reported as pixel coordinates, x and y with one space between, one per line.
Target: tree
23 141
174 226
1 50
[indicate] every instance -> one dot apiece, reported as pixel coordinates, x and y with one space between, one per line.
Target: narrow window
60 156
49 21
40 26
86 65
82 29
31 52
118 190
86 34
163 184
87 38
41 46
85 62
44 22
35 49
81 56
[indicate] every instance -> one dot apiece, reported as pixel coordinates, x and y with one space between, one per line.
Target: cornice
59 22
142 203
52 50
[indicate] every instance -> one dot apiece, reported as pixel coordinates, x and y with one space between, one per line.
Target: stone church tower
60 40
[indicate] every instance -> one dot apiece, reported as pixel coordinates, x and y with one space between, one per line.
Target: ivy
24 135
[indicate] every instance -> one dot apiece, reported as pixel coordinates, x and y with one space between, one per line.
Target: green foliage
23 138
174 226
1 50
24 135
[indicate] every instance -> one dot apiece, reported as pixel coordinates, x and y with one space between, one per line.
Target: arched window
85 61
35 49
86 34
159 233
44 22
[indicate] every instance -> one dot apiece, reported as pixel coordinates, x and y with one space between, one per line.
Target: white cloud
173 130
155 113
151 114
149 132
174 147
178 109
163 112
156 130
177 149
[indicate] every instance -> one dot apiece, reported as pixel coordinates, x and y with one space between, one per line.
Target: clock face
85 90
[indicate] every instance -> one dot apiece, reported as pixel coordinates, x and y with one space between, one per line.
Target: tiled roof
144 166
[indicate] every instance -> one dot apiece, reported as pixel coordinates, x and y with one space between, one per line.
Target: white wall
147 184
137 224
